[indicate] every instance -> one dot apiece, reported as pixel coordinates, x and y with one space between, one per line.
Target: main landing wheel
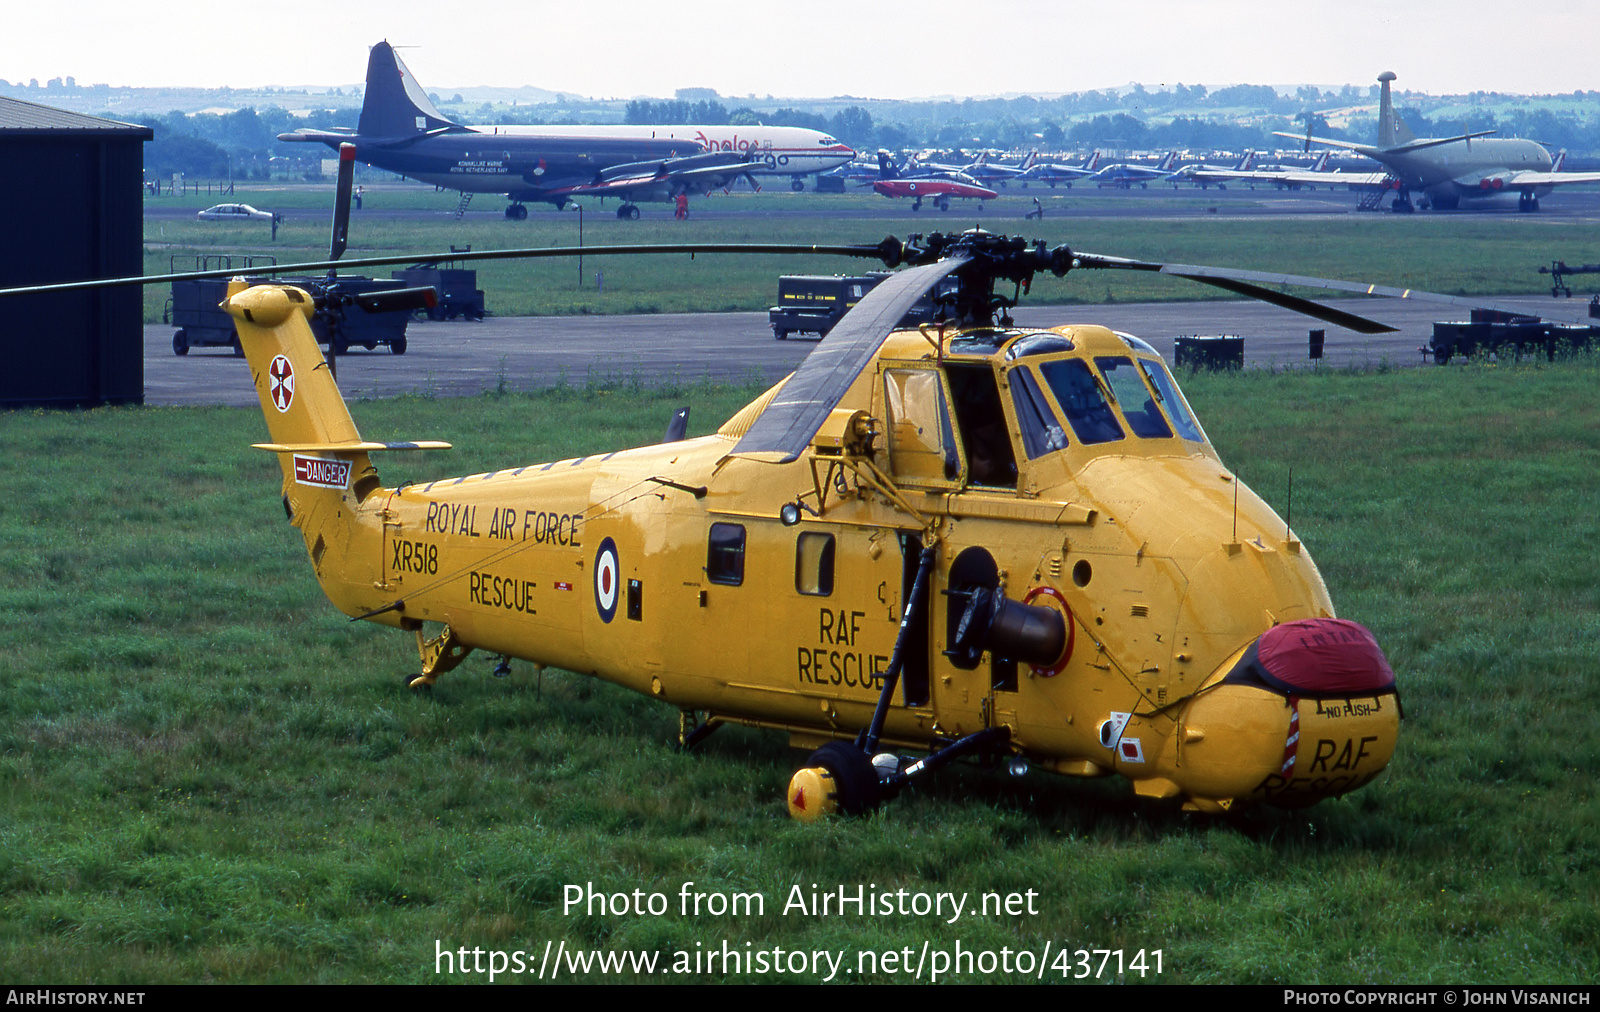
838 777
628 212
517 212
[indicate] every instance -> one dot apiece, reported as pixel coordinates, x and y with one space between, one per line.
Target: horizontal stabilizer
359 446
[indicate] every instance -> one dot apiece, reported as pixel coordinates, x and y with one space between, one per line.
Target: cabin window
1133 397
813 564
981 419
1078 391
725 555
1041 431
1171 398
921 442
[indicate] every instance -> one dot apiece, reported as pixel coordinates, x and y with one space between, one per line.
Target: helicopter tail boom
327 470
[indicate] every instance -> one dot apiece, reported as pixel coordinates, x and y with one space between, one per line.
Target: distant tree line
244 143
240 144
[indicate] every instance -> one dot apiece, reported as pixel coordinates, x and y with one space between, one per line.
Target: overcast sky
812 48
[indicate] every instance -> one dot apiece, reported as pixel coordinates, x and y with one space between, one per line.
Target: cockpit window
1042 343
1172 399
1133 397
922 442
1078 392
1041 433
1136 343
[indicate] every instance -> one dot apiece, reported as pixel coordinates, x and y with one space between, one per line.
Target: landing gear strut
839 778
851 777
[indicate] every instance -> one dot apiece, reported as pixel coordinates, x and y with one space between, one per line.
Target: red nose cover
1325 655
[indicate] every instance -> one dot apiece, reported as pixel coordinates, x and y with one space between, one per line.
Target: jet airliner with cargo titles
402 131
1465 168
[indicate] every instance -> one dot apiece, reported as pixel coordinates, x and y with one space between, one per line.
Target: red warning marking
280 377
321 471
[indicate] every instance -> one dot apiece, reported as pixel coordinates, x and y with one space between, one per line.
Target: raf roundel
605 580
280 376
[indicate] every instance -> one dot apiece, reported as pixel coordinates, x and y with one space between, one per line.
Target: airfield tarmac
1014 202
462 359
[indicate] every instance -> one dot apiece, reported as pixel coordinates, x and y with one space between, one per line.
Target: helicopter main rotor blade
1233 281
1317 310
1203 274
784 430
887 251
1250 283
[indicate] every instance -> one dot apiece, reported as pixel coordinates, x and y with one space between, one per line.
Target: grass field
208 774
1462 254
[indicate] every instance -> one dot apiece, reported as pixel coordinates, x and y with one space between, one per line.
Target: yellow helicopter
963 538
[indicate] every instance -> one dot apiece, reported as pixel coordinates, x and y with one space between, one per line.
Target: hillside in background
213 131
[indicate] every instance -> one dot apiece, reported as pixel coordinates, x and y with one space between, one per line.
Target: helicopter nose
1343 706
1308 711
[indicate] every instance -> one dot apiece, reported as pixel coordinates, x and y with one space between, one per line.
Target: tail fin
886 169
395 104
1560 160
1168 163
310 427
1093 163
1390 130
1321 164
1247 162
327 472
1030 161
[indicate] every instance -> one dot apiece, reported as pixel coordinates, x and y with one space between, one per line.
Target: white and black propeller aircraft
401 130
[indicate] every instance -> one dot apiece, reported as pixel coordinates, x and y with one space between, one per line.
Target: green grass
1454 254
208 774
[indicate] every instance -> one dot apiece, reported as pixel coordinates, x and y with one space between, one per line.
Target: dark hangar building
73 210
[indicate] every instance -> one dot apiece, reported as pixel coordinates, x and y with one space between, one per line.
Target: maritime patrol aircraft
401 130
1471 168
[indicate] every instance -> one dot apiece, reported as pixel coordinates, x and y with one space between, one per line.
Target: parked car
235 212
